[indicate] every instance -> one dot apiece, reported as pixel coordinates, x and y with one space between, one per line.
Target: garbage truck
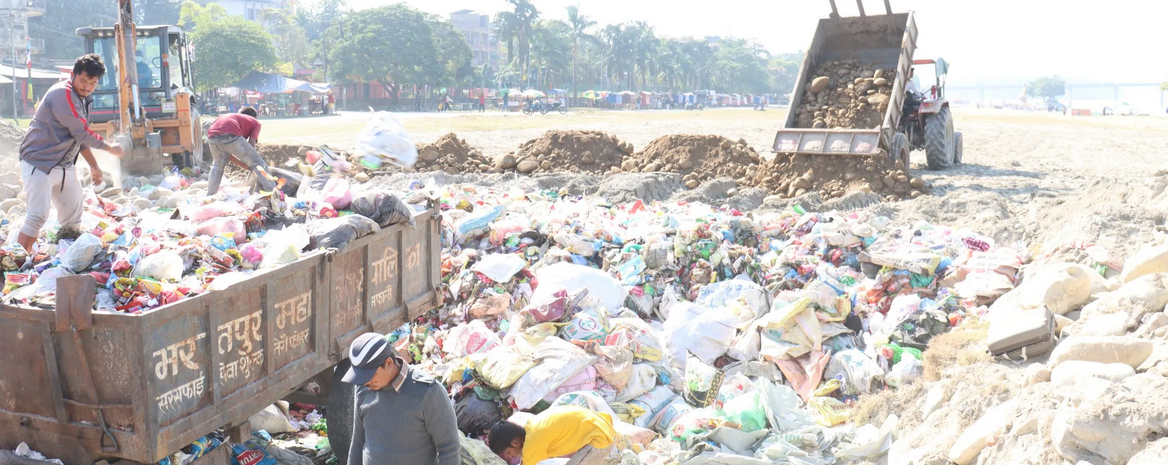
920 120
84 385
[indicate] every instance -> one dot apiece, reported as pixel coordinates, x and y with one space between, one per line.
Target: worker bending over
563 431
58 133
235 135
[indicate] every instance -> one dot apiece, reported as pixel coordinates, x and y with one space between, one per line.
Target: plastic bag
570 277
500 267
336 233
469 339
82 253
905 372
857 373
211 210
476 416
283 246
337 193
503 365
637 335
164 265
553 308
702 382
585 380
719 294
384 140
556 361
273 420
476 452
221 226
476 224
586 325
590 400
384 208
746 410
653 402
699 330
643 380
663 421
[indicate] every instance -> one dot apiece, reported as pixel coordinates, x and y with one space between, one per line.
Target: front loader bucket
143 158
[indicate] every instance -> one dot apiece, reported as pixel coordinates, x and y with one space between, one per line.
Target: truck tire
899 150
939 143
339 413
959 149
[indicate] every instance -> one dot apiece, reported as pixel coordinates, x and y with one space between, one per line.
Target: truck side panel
165 378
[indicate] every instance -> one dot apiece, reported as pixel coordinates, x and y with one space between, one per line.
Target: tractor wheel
899 150
339 413
957 151
939 143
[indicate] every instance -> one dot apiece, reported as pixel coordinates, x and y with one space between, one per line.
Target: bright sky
992 41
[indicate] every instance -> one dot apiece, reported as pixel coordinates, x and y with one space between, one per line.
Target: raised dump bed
82 385
876 41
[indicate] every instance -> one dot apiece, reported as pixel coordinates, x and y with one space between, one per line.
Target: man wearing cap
400 415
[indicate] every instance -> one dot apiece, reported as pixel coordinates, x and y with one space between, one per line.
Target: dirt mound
278 154
10 137
570 151
697 158
846 94
452 155
835 176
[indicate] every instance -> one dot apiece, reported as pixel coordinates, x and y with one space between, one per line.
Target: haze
987 41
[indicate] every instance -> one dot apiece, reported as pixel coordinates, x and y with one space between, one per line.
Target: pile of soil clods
452 155
846 94
568 151
697 158
834 176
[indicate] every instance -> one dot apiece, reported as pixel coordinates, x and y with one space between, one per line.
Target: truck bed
885 41
161 379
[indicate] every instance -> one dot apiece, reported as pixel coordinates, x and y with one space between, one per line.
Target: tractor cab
929 76
163 64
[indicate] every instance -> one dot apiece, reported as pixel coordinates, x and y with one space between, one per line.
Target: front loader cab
163 65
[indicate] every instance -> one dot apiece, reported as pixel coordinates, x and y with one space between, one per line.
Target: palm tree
522 20
580 25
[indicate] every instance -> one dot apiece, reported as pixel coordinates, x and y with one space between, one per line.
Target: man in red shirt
235 135
482 101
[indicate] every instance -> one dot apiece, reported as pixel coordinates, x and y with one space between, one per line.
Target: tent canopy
273 84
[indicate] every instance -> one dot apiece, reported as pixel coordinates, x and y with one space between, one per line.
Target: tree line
398 46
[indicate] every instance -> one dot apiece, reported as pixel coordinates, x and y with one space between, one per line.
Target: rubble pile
11 136
846 94
593 152
697 158
834 177
452 155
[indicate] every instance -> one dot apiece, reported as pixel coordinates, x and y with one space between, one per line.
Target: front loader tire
940 143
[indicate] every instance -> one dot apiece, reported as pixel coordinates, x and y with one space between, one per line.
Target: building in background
249 9
17 50
480 34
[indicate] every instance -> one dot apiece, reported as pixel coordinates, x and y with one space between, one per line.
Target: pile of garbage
156 244
452 155
846 94
697 158
833 177
713 336
568 151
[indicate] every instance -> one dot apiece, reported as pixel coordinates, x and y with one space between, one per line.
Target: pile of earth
697 159
10 137
568 151
835 176
846 94
452 155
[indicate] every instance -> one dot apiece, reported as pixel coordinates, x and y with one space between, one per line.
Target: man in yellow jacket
563 431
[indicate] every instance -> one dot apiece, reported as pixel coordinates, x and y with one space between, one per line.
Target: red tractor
927 121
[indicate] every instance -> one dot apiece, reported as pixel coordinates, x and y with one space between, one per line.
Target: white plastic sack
857 373
164 265
472 338
81 253
571 277
500 267
643 380
476 224
557 360
383 139
273 420
705 332
720 293
905 372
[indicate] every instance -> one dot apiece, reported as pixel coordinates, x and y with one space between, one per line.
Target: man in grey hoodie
58 133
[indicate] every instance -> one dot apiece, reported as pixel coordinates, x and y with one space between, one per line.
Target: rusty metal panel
178 367
294 303
386 309
418 286
25 356
237 318
112 364
347 295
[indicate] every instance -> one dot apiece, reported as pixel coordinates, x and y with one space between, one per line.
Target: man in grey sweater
401 416
58 133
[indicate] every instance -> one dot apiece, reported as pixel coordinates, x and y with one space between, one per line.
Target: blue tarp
256 81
